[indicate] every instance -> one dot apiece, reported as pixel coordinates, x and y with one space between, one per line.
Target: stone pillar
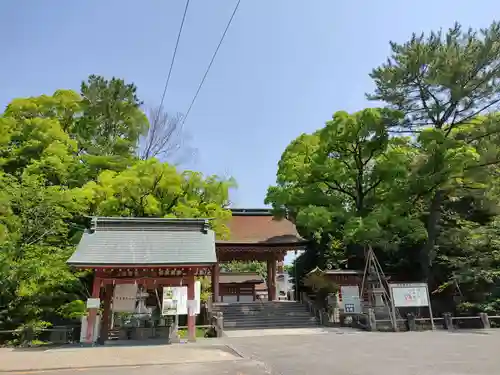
215 282
92 313
106 313
191 319
485 321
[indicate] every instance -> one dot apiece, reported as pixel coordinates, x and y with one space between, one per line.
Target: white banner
95 331
124 298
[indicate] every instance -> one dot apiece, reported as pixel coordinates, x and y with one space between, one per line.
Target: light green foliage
33 140
254 266
34 277
206 288
152 188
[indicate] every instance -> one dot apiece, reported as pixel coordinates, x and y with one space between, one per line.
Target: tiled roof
146 241
259 225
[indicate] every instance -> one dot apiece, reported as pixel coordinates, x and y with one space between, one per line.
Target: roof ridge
106 223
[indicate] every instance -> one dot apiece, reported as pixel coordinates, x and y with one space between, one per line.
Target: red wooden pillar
106 314
273 278
191 319
215 282
269 280
92 313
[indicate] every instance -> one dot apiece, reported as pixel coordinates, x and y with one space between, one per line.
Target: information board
350 299
169 303
180 295
410 295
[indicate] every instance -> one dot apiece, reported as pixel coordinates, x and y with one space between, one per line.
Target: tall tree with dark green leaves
447 84
110 125
343 184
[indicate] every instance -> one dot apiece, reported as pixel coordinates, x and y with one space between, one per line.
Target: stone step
274 304
265 315
262 316
259 303
267 322
269 326
261 323
298 308
269 318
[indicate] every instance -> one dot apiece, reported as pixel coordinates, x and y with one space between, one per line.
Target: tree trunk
426 253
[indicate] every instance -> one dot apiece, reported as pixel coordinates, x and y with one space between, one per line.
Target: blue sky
285 66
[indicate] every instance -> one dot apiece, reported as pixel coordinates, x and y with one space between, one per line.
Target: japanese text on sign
409 295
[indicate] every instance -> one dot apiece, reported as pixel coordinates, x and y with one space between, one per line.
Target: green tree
155 189
442 83
34 141
253 266
34 277
342 187
109 127
71 138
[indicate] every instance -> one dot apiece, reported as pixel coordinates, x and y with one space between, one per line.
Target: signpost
411 295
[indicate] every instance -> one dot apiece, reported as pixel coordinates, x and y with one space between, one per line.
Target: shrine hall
158 252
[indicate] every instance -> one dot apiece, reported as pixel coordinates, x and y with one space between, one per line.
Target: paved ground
410 353
77 358
337 352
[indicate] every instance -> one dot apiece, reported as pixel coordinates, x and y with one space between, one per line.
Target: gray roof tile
165 244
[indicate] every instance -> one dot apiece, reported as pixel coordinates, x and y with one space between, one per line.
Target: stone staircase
262 315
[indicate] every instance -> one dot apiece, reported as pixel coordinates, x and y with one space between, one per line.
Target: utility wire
211 62
172 62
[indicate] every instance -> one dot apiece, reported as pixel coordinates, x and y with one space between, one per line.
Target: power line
211 61
172 62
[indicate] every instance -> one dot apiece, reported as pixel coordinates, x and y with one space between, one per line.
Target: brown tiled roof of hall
259 226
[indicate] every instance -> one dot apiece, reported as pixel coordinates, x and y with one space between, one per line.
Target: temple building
157 252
